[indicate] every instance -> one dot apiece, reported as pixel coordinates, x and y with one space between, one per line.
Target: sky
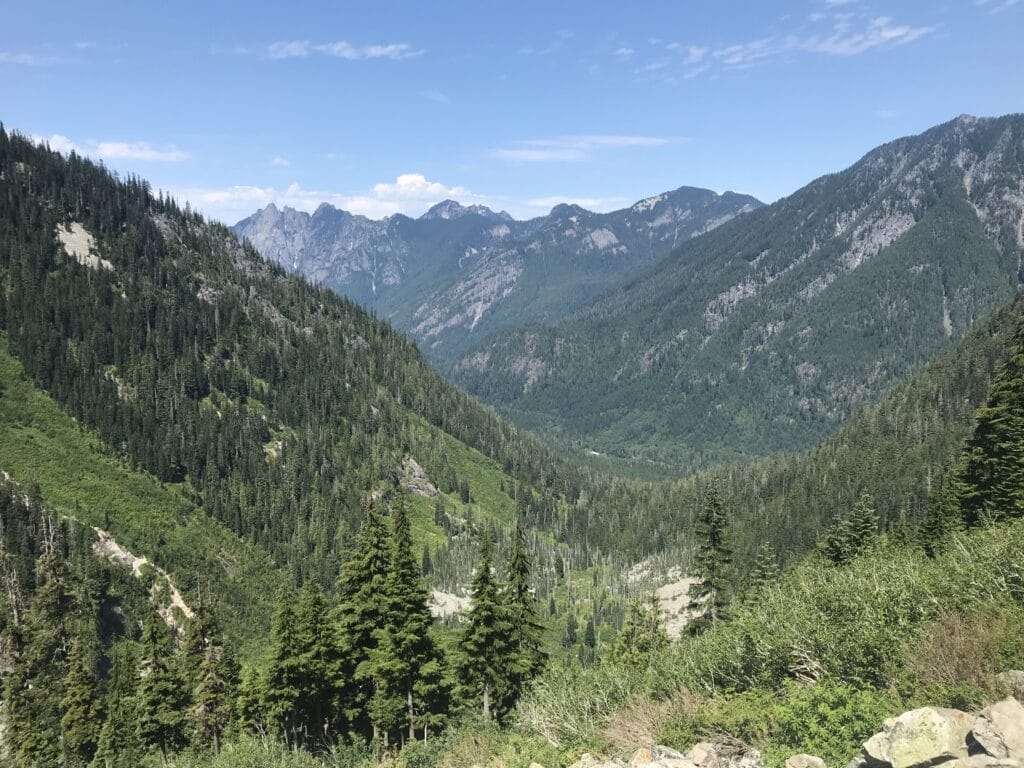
391 107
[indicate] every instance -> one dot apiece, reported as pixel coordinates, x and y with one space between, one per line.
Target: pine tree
82 715
486 651
942 516
850 536
211 674
361 613
284 678
34 687
161 697
991 479
527 629
404 644
642 635
318 655
766 567
571 628
119 745
709 595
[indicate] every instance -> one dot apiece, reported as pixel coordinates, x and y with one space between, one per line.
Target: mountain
457 273
766 334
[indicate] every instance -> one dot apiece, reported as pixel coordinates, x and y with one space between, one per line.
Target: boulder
921 737
661 752
805 761
999 730
980 761
1014 682
703 754
641 757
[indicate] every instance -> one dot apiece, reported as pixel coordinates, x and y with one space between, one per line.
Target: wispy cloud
409 193
834 31
560 38
624 52
573 148
115 150
280 162
341 49
436 96
996 6
26 59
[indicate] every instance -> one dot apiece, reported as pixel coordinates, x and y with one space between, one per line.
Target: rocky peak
452 209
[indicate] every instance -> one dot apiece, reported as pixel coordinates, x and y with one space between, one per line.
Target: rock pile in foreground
930 737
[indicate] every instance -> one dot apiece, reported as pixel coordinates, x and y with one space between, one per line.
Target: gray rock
1014 682
980 761
999 730
921 737
805 761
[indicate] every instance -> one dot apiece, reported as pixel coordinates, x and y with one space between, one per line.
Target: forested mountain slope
457 273
277 408
766 334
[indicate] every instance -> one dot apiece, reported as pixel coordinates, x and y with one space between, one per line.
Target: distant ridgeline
766 334
458 273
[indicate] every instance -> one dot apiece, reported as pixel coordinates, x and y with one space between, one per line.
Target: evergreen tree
82 714
942 517
161 697
642 635
991 479
317 656
404 644
361 613
853 533
527 629
211 674
119 745
766 567
571 629
486 651
709 595
284 677
34 688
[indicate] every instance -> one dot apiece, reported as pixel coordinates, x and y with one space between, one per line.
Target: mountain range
458 273
766 334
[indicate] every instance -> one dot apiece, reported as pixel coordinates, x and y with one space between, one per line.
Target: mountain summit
458 272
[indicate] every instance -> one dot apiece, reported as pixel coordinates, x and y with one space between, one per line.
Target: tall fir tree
766 567
361 612
317 653
991 478
526 625
486 653
119 745
211 675
82 713
161 697
404 644
284 678
709 595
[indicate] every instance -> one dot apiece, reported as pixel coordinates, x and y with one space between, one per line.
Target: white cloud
25 59
624 52
280 162
341 49
881 31
410 193
996 6
834 32
436 96
115 150
573 147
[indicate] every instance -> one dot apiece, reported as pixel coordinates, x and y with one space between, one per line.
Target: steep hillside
275 407
457 273
766 334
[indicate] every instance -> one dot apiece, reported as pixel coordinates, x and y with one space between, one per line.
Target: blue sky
387 107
